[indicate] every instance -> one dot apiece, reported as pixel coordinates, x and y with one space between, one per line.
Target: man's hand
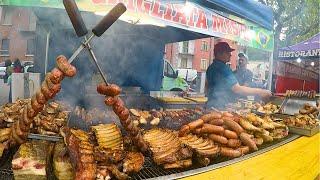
265 94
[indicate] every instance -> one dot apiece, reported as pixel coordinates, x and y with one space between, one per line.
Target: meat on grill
81 154
166 147
133 162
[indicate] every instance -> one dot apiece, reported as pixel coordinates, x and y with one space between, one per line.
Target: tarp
197 16
308 49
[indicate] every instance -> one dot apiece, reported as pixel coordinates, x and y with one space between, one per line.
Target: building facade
197 54
17 29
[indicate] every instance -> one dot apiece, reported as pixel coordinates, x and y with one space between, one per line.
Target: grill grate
6 174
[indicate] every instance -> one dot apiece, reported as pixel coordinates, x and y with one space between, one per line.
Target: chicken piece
133 162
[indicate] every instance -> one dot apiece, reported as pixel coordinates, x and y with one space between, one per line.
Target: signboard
187 16
293 71
302 54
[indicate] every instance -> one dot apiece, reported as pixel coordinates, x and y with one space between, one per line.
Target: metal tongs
81 30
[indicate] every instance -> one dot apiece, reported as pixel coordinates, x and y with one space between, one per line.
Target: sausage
218 138
56 76
234 143
35 105
110 90
258 140
46 91
126 122
26 120
109 101
54 88
230 134
227 114
217 122
185 129
65 67
246 140
209 128
31 113
248 126
244 149
134 130
195 124
15 137
229 152
124 115
197 131
232 125
211 116
41 98
118 109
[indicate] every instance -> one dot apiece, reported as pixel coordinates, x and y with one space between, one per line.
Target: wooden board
298 159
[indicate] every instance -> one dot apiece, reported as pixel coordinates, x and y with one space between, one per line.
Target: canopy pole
270 71
47 49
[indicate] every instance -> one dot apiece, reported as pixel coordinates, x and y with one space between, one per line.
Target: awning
308 49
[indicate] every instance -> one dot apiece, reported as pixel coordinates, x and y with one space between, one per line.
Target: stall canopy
244 21
308 49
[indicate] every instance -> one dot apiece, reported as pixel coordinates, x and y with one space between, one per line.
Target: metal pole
47 49
270 71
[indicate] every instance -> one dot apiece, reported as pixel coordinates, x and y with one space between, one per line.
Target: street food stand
125 53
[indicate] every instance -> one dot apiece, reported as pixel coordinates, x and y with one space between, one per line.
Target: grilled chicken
133 162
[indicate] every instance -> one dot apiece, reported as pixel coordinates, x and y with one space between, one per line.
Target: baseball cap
243 55
222 47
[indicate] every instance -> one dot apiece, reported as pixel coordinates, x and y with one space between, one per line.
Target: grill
152 171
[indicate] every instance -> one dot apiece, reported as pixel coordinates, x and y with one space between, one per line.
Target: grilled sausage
124 115
230 134
65 66
234 143
218 138
211 116
56 76
232 125
185 129
244 149
41 98
35 105
209 128
110 90
246 140
228 152
217 122
109 101
227 114
46 91
195 124
31 113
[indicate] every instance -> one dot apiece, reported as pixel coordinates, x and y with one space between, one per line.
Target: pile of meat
50 120
235 135
311 111
299 93
108 136
302 121
90 115
165 119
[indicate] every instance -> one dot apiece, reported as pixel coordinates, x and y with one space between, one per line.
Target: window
204 46
5 47
168 70
30 47
185 47
204 64
6 16
184 63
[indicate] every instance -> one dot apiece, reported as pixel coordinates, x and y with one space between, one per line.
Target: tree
294 20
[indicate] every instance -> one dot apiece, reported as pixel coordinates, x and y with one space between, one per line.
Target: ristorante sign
301 54
174 13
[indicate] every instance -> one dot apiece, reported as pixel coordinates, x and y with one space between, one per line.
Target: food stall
193 143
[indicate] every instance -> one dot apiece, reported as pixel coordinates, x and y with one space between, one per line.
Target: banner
293 71
312 53
187 16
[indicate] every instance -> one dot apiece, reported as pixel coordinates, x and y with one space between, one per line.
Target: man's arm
246 91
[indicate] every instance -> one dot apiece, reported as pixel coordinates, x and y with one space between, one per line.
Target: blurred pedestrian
9 70
17 67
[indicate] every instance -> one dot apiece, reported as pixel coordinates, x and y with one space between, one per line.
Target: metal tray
291 106
304 131
44 137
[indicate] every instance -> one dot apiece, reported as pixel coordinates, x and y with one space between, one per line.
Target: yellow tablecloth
297 160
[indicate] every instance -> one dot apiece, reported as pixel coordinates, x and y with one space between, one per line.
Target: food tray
291 106
304 131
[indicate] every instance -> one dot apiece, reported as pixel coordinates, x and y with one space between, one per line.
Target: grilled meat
133 162
108 136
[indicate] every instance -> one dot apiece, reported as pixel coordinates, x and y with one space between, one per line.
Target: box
303 131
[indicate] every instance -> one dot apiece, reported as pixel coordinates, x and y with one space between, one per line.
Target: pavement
4 92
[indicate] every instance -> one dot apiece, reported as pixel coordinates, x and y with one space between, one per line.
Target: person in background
223 87
17 67
243 75
9 70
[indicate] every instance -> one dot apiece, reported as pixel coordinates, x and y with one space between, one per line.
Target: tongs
81 30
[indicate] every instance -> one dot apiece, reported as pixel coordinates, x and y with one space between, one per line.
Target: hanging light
312 63
298 60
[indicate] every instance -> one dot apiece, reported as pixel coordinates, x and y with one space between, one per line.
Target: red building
17 27
197 54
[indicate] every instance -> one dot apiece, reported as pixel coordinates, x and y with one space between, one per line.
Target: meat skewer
112 91
49 88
